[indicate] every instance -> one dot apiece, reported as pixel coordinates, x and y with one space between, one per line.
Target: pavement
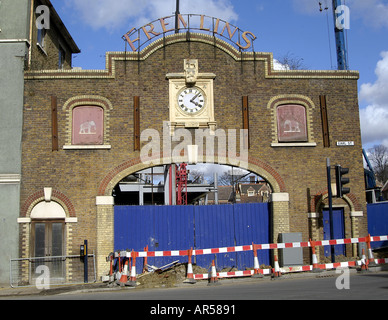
8 292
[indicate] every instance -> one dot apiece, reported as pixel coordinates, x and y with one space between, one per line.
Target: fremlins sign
136 38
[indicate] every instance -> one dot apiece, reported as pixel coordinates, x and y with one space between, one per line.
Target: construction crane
370 180
339 30
177 13
341 49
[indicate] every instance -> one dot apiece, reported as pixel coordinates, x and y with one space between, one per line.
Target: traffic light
340 180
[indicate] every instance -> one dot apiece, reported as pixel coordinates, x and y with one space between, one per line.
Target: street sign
345 143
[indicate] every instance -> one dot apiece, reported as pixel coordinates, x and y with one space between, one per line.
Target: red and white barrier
267 246
254 247
249 273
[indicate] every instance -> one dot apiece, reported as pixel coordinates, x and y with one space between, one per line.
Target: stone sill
294 144
87 147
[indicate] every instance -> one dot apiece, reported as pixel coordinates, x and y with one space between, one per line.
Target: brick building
83 133
23 47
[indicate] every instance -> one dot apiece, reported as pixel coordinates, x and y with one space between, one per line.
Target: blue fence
378 222
165 228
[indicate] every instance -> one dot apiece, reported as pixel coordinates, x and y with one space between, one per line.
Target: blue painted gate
338 231
378 222
200 227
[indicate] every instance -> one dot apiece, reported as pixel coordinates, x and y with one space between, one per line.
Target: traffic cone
124 275
111 258
276 270
364 263
256 265
371 259
213 279
190 274
132 280
145 261
316 267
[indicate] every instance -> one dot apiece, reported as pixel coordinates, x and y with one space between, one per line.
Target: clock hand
195 97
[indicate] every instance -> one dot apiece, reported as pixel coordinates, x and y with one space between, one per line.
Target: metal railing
52 270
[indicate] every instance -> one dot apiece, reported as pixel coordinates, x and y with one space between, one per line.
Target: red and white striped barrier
268 246
327 266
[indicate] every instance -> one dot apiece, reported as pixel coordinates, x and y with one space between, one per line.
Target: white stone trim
10 178
294 144
86 147
67 220
47 194
357 214
105 201
313 215
280 197
24 220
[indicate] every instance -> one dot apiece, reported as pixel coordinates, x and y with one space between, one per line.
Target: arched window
88 125
292 123
88 122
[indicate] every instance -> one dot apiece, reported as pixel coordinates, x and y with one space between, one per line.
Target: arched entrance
47 219
346 212
105 202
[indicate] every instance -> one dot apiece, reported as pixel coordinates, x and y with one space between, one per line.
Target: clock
191 100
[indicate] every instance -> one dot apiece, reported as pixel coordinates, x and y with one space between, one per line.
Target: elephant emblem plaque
88 125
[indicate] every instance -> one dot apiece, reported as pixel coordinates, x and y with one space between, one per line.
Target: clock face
191 100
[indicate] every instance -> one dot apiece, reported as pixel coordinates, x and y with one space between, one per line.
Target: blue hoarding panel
173 230
214 228
164 228
378 222
252 225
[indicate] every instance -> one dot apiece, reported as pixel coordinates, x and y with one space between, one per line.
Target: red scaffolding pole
181 183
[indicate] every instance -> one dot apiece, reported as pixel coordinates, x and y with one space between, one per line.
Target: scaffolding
181 184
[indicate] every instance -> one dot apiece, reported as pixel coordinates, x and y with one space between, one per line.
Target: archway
105 201
348 207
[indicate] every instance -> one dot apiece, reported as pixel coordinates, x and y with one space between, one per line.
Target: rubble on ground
167 278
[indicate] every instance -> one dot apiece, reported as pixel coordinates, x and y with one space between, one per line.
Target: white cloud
377 92
114 14
374 118
279 66
374 13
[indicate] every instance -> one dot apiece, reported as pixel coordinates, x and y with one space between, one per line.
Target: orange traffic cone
124 275
132 280
316 267
213 279
371 259
364 263
145 268
190 274
276 270
256 265
111 258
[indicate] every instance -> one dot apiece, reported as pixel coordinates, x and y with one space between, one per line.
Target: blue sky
281 26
